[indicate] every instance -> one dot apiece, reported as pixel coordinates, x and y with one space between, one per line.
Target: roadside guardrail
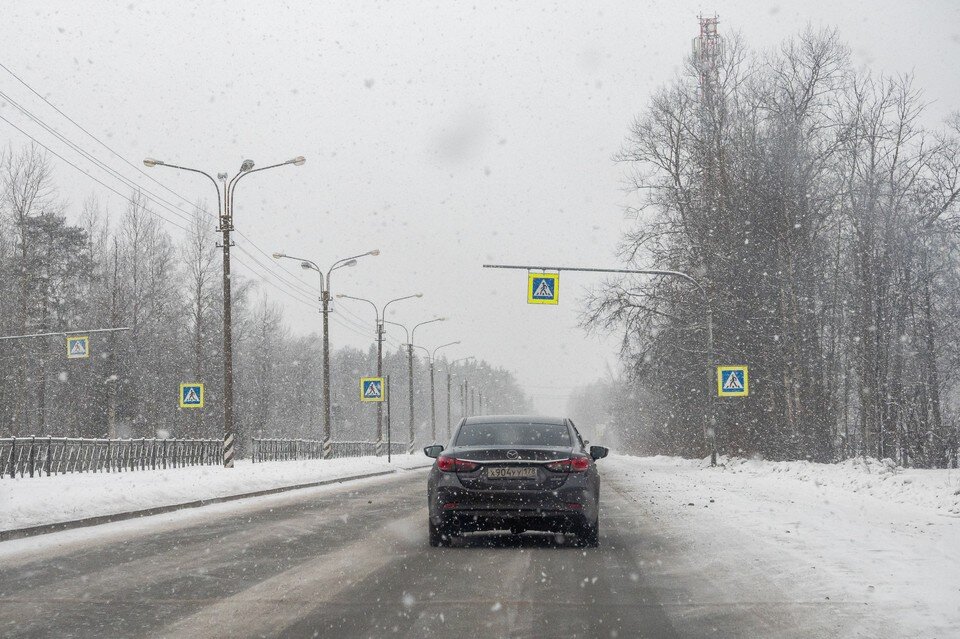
45 456
291 449
38 456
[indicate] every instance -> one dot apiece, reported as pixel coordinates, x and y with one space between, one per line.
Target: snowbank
937 489
863 547
36 501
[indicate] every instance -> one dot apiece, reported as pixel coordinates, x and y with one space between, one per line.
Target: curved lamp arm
424 349
347 261
401 326
232 185
398 299
434 356
376 311
150 162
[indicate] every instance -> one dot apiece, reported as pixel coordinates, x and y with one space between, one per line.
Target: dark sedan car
516 473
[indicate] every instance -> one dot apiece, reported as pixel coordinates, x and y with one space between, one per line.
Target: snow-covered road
749 550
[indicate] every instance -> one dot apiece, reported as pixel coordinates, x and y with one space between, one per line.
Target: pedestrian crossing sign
543 288
78 347
191 395
371 389
732 381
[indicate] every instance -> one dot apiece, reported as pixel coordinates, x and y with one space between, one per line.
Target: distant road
353 561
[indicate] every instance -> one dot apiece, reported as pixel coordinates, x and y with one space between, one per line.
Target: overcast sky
447 135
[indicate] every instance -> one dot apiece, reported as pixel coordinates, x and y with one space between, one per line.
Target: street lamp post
379 314
710 430
449 377
433 408
410 335
325 301
225 212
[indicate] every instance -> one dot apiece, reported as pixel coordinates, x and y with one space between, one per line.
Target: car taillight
572 465
452 464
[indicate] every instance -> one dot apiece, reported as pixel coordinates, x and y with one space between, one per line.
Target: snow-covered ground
868 546
35 501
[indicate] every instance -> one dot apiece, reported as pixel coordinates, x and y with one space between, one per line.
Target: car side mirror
433 451
599 452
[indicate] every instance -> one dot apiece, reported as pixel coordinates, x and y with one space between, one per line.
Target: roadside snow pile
26 501
805 550
882 479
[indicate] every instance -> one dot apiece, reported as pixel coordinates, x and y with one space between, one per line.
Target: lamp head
350 263
277 256
419 295
246 166
374 252
305 266
150 162
297 161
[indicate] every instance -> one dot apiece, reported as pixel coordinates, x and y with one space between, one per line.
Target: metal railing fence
38 456
291 449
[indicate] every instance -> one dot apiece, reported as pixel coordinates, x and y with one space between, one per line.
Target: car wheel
439 536
589 534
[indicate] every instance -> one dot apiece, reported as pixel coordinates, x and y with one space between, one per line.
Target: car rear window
513 434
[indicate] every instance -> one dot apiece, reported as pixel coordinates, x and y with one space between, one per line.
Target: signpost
191 395
732 381
371 389
389 401
543 288
78 346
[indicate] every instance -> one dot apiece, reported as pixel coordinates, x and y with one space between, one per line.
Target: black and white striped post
228 450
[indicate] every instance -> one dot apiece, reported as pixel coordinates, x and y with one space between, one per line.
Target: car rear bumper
466 509
474 521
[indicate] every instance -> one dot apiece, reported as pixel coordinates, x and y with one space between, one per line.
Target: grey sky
446 135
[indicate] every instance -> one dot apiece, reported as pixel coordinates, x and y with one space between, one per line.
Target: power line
157 199
106 186
127 199
346 322
271 268
288 279
98 140
172 208
339 321
287 291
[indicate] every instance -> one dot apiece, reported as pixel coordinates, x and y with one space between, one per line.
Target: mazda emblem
512 454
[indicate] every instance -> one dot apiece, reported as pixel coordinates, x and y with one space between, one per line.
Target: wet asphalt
352 561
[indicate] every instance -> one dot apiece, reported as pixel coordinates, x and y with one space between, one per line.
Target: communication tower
708 53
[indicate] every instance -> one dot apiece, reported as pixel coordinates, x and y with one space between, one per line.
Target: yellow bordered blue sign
732 381
371 389
78 346
191 395
543 288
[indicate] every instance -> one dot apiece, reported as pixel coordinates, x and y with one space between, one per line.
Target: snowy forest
64 268
818 206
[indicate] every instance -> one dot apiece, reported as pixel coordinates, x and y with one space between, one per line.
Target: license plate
508 472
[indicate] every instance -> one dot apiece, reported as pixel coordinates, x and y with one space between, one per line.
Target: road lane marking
263 608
